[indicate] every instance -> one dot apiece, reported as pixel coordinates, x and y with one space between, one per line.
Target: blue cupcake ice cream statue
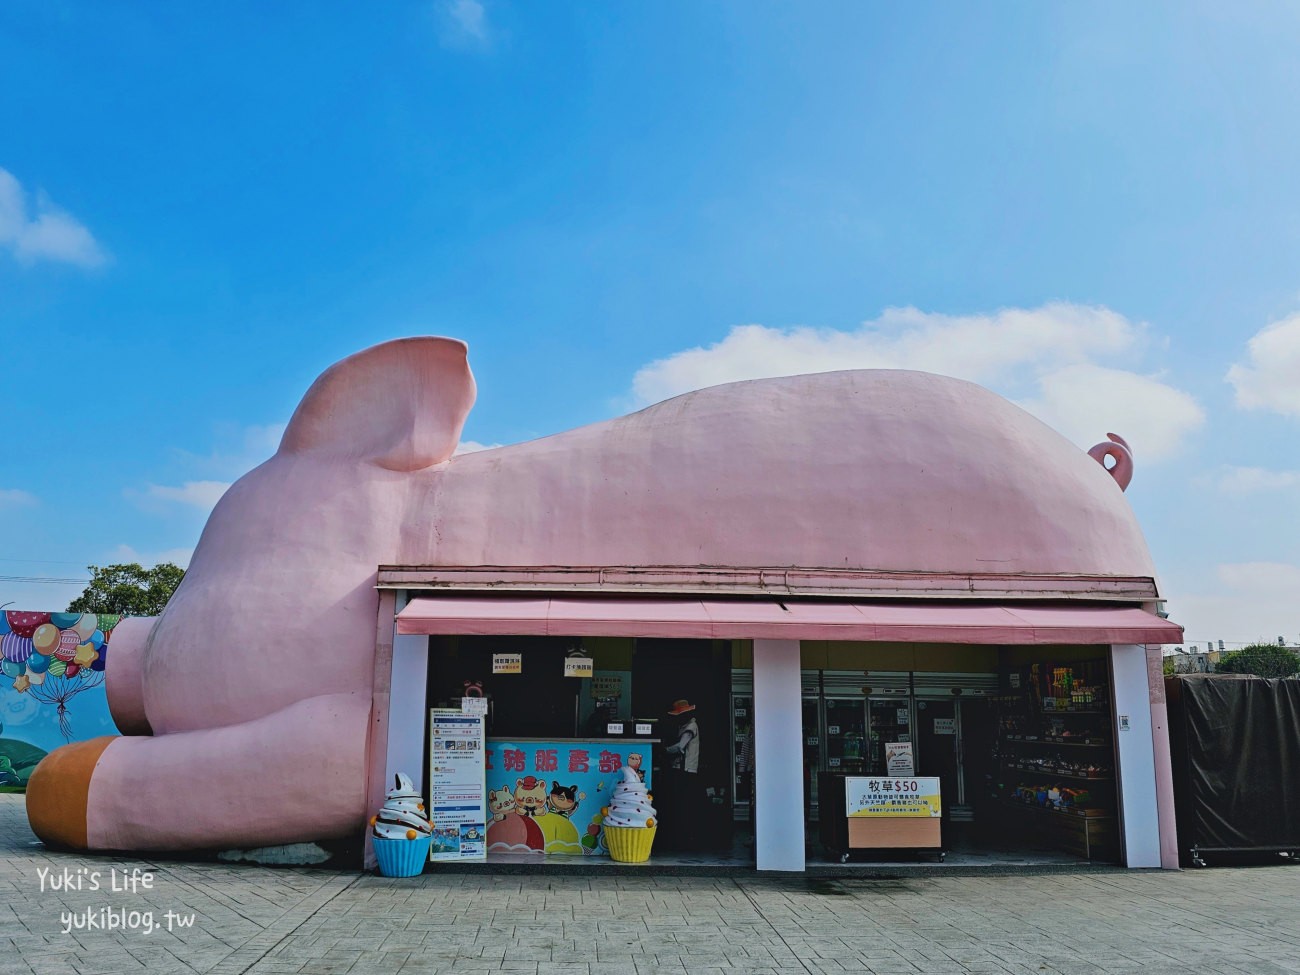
401 832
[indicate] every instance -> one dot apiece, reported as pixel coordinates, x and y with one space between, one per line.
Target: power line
48 580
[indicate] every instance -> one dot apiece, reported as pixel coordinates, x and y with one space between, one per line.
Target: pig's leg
124 679
295 775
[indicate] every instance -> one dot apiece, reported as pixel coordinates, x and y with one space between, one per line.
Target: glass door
846 735
890 721
812 755
938 745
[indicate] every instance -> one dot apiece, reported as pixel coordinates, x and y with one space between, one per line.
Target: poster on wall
609 697
903 797
548 797
578 666
898 758
507 663
457 807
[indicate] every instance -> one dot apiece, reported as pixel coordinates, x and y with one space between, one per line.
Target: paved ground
258 920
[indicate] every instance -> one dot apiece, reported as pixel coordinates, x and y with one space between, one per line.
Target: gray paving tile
260 921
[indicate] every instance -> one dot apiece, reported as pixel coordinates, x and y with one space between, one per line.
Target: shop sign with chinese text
905 797
578 666
548 796
507 663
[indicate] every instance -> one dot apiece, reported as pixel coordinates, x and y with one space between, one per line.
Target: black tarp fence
1235 743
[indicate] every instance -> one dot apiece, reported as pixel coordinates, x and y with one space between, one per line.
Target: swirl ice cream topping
402 816
630 805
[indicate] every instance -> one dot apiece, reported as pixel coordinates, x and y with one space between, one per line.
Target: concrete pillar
778 756
1164 763
1135 753
407 707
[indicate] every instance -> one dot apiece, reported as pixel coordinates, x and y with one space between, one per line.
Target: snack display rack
1056 759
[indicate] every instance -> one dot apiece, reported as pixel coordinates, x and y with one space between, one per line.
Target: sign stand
881 813
457 806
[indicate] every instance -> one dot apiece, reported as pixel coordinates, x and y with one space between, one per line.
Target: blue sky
1089 208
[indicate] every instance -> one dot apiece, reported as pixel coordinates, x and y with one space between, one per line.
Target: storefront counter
546 795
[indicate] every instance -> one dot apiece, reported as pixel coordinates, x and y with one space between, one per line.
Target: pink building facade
859 525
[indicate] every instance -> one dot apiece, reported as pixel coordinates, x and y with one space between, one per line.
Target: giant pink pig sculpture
266 742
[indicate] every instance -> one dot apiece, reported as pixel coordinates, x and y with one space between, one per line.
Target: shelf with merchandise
1053 750
1056 771
1058 741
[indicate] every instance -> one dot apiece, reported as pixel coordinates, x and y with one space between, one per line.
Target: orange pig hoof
58 792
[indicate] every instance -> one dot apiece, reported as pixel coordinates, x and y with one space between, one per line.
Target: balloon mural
53 657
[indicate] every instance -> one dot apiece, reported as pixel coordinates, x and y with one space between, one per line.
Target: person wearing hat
686 751
684 793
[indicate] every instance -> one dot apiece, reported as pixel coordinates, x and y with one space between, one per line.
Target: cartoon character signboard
552 795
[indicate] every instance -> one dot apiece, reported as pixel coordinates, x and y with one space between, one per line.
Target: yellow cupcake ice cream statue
630 820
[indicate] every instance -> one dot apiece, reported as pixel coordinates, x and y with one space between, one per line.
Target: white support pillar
1164 763
1136 772
407 707
778 756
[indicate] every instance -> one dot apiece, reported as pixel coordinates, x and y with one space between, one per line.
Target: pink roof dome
881 470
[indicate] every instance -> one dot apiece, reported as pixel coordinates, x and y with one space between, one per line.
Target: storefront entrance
1020 751
1026 738
555 741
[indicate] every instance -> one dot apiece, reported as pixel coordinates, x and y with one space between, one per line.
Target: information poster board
457 776
899 798
898 758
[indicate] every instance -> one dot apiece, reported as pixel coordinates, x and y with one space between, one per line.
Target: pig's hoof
58 790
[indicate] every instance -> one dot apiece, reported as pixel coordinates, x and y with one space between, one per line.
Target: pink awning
741 619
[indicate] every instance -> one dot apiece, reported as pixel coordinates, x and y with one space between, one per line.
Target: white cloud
1246 602
14 498
1270 377
126 554
1078 401
200 494
463 23
263 440
1251 480
1051 358
237 450
48 233
1274 578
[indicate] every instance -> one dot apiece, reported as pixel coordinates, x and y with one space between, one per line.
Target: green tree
128 589
1262 660
1170 667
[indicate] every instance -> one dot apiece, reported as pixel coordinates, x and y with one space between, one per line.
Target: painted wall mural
52 689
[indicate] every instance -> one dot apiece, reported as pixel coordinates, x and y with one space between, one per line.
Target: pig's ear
400 405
